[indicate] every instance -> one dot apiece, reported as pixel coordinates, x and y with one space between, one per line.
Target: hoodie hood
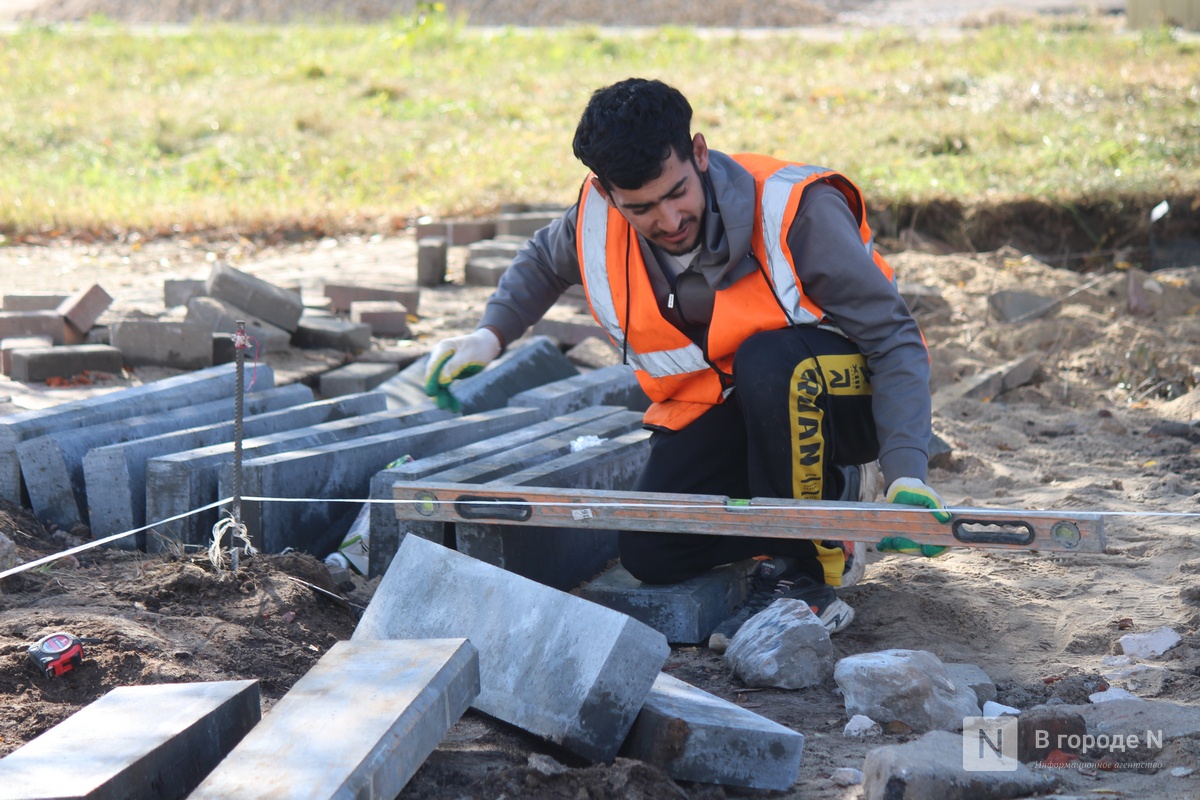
728 222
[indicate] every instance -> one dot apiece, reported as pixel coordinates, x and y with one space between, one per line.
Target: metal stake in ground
239 359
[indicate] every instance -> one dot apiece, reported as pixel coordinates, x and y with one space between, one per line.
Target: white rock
1113 693
1143 679
1181 772
993 709
861 727
783 646
1149 645
1117 661
846 777
909 686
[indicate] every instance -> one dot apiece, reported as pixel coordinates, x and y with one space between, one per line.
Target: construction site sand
1077 438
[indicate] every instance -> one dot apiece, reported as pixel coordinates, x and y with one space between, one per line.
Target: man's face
668 210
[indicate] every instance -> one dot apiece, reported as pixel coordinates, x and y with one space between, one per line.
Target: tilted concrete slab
560 557
52 465
154 742
357 726
186 480
696 736
527 364
613 386
342 470
221 317
555 665
268 302
686 612
175 392
385 527
83 308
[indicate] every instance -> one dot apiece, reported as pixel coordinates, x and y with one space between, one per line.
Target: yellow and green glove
914 492
458 357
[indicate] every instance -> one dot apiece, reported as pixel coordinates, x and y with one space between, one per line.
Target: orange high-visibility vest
681 380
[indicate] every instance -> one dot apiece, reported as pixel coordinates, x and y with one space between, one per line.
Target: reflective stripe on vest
593 232
776 191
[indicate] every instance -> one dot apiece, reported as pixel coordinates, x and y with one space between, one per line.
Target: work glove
914 492
458 357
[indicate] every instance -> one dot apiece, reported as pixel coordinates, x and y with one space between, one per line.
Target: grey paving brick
560 557
613 386
64 362
183 480
357 725
697 736
222 317
528 363
174 392
316 331
154 742
360 376
686 612
152 342
274 304
52 465
385 528
555 665
343 470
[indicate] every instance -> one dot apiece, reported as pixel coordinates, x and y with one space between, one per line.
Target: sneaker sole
837 616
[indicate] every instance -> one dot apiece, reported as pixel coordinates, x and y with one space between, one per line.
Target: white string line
734 508
96 543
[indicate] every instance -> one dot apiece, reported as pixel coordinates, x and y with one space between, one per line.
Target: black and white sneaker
776 578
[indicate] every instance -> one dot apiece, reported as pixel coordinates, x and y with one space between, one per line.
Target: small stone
1181 772
993 709
784 646
1149 645
1113 693
846 776
544 764
860 727
8 551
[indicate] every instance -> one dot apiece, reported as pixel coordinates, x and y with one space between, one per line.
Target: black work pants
802 405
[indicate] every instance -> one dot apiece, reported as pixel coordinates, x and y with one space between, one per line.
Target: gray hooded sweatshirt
834 269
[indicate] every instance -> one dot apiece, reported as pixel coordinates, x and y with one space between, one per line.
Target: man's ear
599 187
700 152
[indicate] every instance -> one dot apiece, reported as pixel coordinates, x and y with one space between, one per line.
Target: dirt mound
157 621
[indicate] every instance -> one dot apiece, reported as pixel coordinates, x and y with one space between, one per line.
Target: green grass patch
358 127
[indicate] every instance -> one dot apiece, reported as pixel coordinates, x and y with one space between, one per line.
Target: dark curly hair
629 129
